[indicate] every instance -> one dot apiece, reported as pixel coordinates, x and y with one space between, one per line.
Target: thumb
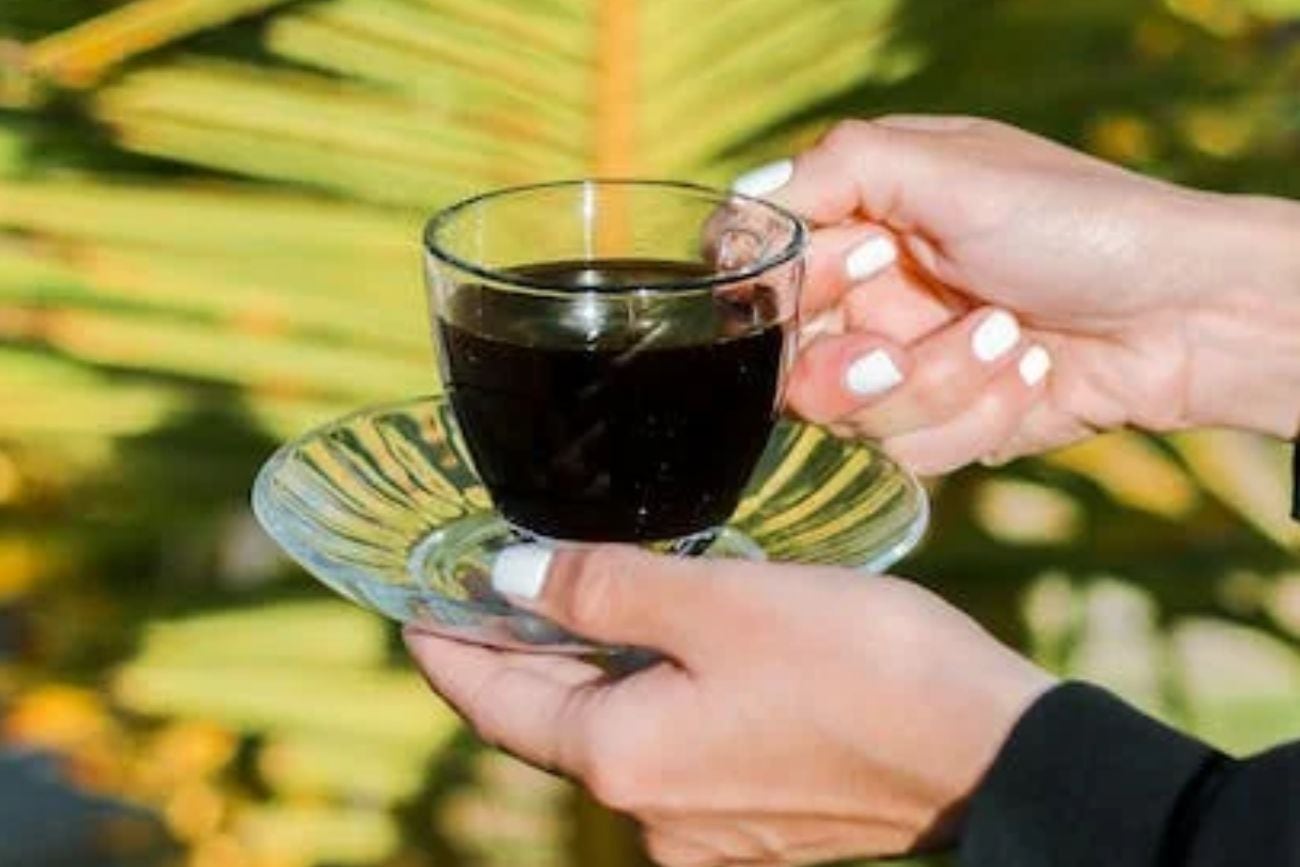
617 594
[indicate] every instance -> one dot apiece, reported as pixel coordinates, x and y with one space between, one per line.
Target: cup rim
790 251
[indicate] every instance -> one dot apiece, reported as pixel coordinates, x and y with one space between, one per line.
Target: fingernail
870 258
764 179
521 571
1034 365
872 374
996 336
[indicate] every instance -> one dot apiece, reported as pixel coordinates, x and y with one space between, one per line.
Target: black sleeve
1295 482
1086 781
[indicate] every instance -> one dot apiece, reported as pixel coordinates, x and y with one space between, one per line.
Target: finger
619 594
520 703
899 171
859 168
894 305
566 669
902 304
840 257
946 373
856 278
835 376
1043 428
983 427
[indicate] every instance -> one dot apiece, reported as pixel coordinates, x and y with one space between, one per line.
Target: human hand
955 261
800 714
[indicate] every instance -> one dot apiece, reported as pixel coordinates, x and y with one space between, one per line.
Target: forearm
1244 334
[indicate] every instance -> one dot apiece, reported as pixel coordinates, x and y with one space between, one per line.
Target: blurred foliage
208 223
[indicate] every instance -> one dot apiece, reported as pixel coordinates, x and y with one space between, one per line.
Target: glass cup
614 351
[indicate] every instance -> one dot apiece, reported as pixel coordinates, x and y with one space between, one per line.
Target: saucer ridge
384 507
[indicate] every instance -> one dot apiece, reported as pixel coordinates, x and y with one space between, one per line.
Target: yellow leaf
463 96
1221 17
194 811
301 765
318 834
11 484
187 750
21 562
80 55
282 633
1023 513
1118 645
361 703
1133 471
57 717
1248 473
209 351
1242 686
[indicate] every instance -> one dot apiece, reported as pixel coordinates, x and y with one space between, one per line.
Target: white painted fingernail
1034 365
872 374
764 179
870 258
521 571
996 336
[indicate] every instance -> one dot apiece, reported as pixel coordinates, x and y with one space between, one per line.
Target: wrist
989 718
1243 330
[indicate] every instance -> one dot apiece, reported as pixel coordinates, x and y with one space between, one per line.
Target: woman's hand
978 292
801 714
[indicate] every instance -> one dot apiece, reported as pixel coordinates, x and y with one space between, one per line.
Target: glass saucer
384 507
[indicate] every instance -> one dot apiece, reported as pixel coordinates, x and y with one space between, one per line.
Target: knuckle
950 124
811 393
613 767
896 119
908 616
985 126
845 135
668 851
662 850
996 405
903 450
848 429
968 123
940 390
614 786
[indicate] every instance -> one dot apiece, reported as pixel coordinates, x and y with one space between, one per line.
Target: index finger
525 705
856 271
872 169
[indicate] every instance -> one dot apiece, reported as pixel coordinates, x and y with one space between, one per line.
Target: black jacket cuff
1295 482
1084 780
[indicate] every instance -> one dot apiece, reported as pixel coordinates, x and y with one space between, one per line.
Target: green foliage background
208 222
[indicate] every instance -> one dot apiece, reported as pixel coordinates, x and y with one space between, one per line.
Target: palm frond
80 56
279 364
259 272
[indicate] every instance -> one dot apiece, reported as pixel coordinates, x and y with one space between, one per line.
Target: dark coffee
647 430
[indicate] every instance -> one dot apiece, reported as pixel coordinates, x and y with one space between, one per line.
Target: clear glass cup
614 351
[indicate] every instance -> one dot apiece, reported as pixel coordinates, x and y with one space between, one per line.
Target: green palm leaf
81 55
218 203
309 298
401 103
